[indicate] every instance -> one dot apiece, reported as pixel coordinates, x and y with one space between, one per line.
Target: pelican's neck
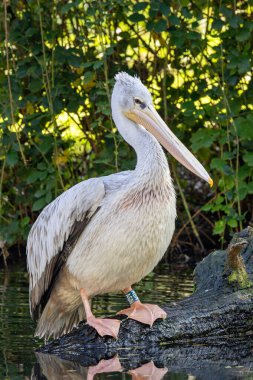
151 160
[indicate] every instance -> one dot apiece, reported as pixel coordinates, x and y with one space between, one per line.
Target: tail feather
56 323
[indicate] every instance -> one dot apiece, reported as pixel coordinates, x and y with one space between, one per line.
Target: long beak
151 120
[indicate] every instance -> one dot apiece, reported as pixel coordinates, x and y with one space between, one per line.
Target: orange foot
104 326
144 312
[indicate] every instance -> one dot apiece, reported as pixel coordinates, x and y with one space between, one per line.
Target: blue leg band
131 297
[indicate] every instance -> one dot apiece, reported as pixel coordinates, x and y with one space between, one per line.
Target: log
215 324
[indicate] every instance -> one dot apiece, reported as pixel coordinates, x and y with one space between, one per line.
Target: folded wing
54 234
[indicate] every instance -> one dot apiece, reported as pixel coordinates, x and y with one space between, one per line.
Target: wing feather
55 231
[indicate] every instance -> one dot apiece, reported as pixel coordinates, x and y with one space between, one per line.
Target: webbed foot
144 312
104 326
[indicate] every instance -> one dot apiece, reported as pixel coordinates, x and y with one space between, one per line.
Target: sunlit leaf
219 227
232 223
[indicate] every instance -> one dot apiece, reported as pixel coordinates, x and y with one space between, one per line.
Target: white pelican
105 234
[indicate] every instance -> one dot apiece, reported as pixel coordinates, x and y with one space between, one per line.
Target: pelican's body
104 234
131 231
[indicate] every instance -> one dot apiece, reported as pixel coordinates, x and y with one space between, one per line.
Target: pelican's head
135 102
130 93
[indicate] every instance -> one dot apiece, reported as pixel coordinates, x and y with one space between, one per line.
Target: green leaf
45 146
43 175
242 35
243 172
227 12
248 158
232 223
194 36
42 166
11 158
245 127
87 65
221 165
177 38
154 5
185 12
235 21
165 9
174 20
250 187
226 182
207 207
25 221
160 26
150 25
109 50
98 64
65 8
136 17
48 197
243 190
14 226
203 138
74 60
30 32
88 76
219 227
219 199
39 193
244 65
217 24
140 6
39 204
33 176
35 85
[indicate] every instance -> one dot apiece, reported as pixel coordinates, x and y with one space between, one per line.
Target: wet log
218 314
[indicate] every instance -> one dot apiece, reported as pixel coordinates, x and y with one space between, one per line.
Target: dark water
16 334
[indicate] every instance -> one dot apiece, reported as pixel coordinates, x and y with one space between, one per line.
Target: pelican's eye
139 103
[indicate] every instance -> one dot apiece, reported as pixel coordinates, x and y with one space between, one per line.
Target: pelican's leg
145 313
102 325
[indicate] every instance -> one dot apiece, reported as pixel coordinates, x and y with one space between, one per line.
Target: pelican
105 234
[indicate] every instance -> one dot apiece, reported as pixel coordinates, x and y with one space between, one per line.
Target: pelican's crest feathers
126 79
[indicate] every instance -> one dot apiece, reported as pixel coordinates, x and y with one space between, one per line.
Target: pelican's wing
54 233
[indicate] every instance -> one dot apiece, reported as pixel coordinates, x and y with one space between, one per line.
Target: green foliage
58 62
